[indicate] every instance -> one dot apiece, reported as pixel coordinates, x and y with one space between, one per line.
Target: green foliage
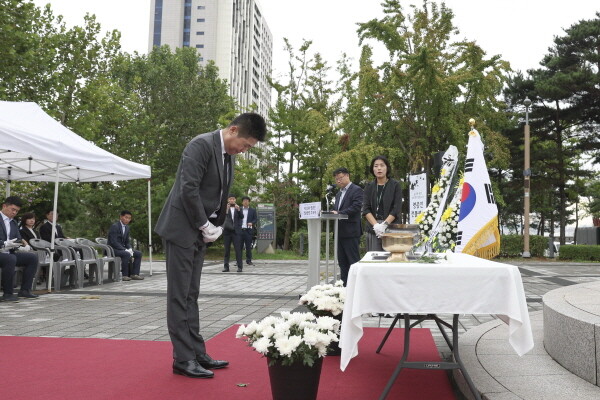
512 245
580 252
421 99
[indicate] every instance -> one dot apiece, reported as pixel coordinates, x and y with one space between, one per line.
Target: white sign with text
310 210
417 195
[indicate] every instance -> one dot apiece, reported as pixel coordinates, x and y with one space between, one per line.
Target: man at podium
347 201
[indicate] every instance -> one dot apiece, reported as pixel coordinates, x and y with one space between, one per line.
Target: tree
304 135
421 99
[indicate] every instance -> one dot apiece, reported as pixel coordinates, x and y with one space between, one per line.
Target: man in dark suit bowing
118 239
348 201
192 217
10 240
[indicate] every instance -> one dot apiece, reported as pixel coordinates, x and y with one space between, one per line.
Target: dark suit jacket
351 205
235 224
196 193
116 239
46 231
392 201
14 232
27 235
252 217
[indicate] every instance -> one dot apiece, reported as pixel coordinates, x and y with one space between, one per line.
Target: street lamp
526 182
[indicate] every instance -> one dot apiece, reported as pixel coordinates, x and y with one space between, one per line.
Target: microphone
330 188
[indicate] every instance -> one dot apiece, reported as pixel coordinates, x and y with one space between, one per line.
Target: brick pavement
136 309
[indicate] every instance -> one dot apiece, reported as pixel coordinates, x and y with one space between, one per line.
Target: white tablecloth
462 284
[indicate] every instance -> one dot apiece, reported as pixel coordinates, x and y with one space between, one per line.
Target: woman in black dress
27 227
382 203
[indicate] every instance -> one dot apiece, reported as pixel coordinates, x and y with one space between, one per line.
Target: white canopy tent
36 147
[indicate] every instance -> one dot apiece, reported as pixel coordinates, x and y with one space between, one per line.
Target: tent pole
53 231
150 226
8 181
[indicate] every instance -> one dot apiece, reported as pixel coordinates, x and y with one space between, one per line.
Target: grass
216 253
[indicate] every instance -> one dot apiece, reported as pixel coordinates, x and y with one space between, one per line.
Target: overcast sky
519 30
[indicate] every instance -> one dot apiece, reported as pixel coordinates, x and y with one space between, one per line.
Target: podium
314 248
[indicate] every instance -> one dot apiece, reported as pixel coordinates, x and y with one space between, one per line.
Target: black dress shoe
239 270
27 294
207 362
9 298
191 369
249 263
225 270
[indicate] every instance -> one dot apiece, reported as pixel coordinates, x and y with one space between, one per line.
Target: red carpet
57 368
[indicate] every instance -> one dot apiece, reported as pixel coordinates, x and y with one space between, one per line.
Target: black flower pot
296 381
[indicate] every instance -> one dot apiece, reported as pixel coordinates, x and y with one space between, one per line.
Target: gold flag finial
472 132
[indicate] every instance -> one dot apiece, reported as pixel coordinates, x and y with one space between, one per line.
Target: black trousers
8 262
184 269
235 238
247 243
348 254
125 260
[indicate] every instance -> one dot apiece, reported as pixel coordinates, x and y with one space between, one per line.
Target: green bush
512 245
580 252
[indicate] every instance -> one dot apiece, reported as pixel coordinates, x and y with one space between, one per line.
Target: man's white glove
211 232
379 229
24 248
130 251
11 244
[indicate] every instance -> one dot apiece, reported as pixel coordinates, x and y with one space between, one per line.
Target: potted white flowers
294 345
325 299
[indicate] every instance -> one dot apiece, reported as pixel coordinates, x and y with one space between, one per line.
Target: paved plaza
136 309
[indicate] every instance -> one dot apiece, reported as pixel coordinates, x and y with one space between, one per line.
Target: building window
200 58
199 46
201 7
200 20
199 33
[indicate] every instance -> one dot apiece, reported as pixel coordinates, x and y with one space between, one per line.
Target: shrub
580 252
512 245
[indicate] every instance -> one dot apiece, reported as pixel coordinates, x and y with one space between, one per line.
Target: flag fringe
476 246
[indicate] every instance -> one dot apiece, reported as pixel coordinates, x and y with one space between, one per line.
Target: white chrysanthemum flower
240 331
262 345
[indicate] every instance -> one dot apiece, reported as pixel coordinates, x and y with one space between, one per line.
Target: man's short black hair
13 200
231 195
126 212
251 125
245 198
341 170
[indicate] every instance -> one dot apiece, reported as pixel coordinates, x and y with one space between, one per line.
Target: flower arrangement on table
446 238
291 338
427 217
325 300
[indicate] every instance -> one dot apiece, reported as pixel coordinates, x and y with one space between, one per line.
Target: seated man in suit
10 240
46 229
118 239
232 232
348 201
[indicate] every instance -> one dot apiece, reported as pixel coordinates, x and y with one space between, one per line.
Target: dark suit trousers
247 243
228 238
126 259
8 262
184 268
348 254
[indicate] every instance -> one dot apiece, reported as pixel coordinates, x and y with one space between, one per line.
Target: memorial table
460 284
